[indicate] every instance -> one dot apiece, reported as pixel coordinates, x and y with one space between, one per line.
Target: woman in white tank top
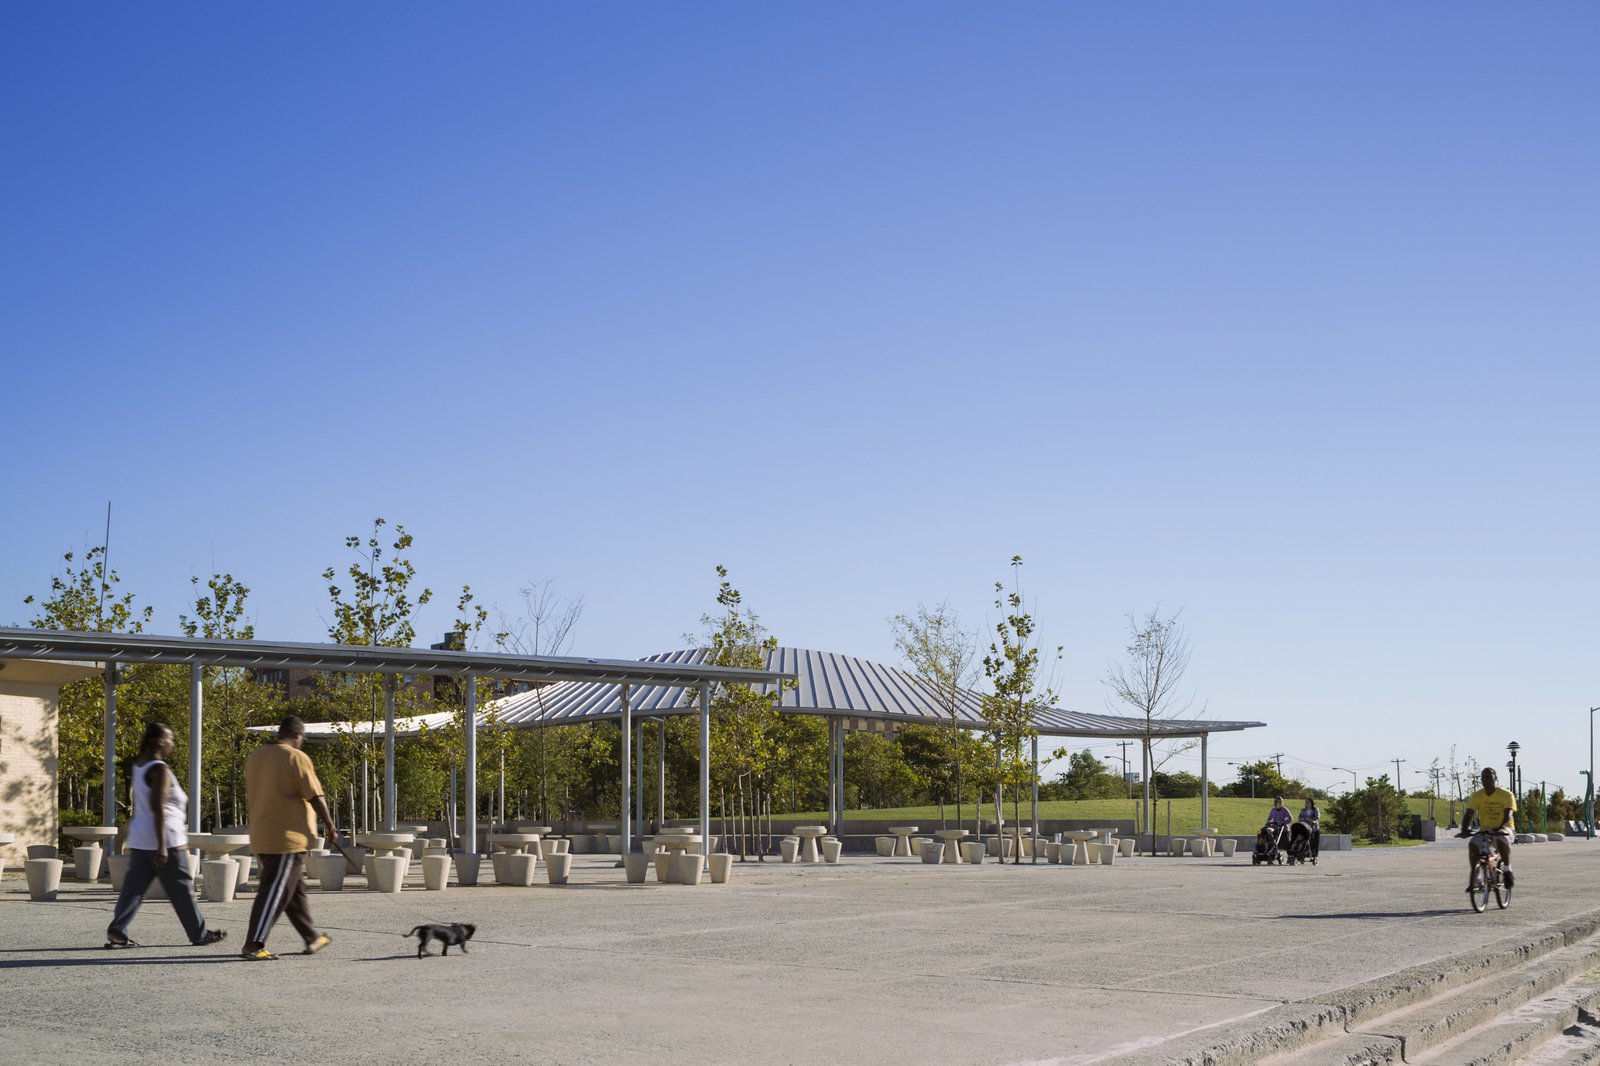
156 836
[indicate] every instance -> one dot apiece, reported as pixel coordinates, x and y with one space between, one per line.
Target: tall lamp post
1513 748
1588 796
1352 774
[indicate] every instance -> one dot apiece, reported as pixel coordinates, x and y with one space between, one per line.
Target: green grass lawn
1228 815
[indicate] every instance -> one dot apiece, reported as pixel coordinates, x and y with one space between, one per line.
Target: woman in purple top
1279 818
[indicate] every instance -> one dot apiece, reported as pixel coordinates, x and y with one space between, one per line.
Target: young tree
941 653
84 598
232 702
1012 667
544 627
1086 777
743 720
1157 656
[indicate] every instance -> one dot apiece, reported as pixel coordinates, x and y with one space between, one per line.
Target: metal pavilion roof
62 646
829 684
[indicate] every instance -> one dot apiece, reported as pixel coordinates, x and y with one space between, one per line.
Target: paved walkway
875 961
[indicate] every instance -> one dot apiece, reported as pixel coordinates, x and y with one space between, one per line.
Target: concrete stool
1108 854
1179 845
331 871
635 864
885 846
42 851
920 845
1125 846
972 851
831 849
721 867
435 870
117 866
467 868
244 862
1200 847
547 848
44 879
386 873
686 868
932 852
1228 845
86 861
789 848
219 880
664 875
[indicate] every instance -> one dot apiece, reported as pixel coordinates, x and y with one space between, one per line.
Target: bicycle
1487 875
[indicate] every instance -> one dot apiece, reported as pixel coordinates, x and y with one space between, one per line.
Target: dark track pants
174 877
281 890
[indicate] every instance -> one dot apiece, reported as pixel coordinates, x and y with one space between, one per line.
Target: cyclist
1495 810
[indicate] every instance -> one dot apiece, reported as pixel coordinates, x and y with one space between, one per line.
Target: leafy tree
1012 667
1262 780
85 598
1086 777
1375 812
882 777
232 701
941 653
1148 682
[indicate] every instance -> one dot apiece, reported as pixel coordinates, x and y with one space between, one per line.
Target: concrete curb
1301 1022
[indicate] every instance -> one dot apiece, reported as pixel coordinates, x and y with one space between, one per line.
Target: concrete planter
221 880
721 867
789 848
831 849
636 865
86 861
244 862
331 872
686 868
973 851
44 879
557 868
386 873
885 846
435 870
467 869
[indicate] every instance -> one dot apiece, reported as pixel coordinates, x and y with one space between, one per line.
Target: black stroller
1268 849
1300 844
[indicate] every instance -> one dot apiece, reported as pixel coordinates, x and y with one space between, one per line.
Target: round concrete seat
386 873
435 870
721 867
831 849
635 865
884 846
972 852
44 879
663 875
331 872
789 848
932 852
220 879
686 868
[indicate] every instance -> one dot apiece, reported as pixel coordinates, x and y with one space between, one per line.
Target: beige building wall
27 766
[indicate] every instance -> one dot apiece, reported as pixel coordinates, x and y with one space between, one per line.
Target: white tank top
142 828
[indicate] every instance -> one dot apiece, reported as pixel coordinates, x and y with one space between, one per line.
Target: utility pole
1123 744
1397 763
1277 758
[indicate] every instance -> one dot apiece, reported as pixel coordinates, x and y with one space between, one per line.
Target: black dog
445 935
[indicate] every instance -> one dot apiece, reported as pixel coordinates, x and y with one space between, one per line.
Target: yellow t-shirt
1492 807
279 784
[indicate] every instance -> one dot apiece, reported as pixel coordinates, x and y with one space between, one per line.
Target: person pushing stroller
1274 835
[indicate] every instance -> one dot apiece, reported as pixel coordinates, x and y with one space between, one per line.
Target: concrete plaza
876 961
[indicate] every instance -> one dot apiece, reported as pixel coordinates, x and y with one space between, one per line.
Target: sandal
211 936
259 955
116 943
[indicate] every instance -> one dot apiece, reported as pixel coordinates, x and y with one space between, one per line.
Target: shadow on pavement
117 958
1376 914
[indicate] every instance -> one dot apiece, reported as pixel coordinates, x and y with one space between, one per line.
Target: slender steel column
388 752
833 768
627 773
705 770
661 772
194 747
1205 788
108 796
1035 846
471 711
638 776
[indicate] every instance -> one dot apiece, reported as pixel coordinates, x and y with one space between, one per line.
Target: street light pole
1352 774
1588 799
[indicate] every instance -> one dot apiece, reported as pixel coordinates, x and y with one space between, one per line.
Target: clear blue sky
1284 317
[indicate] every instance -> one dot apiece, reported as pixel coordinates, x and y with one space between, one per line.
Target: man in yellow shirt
283 793
1496 813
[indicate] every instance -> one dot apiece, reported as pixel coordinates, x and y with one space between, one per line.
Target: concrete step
1578 1046
1408 1034
1519 1035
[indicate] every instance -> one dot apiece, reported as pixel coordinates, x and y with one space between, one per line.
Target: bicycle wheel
1480 895
1502 891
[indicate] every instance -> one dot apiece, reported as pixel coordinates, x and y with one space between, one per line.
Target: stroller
1300 844
1268 849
